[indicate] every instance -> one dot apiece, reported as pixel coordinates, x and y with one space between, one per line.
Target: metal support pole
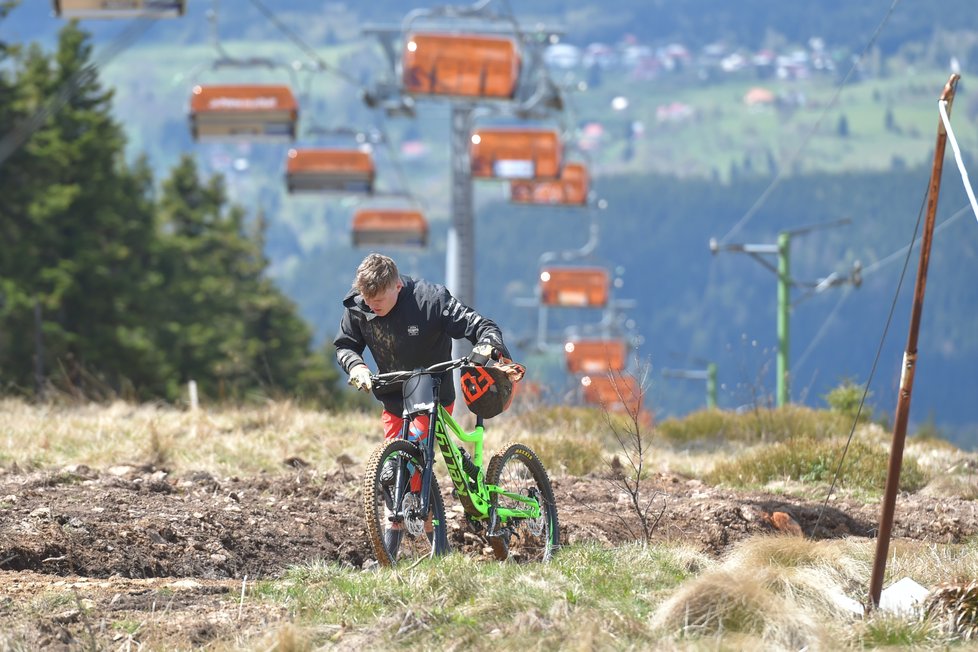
460 263
909 359
460 251
784 306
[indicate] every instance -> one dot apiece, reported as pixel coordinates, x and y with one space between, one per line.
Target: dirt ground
133 543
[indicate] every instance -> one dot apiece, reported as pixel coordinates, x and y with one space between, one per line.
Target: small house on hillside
758 96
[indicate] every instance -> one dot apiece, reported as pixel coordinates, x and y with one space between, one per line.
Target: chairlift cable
541 66
21 133
821 331
395 160
893 256
872 372
779 177
872 268
302 45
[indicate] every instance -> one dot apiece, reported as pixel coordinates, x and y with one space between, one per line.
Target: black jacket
417 332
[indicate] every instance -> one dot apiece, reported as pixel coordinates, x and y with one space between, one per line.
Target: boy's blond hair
375 274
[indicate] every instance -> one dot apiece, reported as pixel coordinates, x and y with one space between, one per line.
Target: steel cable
21 133
872 372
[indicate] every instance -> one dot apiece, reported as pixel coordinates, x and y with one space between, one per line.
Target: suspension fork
428 455
402 476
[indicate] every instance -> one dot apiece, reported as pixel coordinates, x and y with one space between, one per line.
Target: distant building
758 96
562 55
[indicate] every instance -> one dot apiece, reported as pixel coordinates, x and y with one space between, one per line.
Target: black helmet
487 390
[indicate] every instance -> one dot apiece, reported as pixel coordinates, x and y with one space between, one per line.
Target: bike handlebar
380 380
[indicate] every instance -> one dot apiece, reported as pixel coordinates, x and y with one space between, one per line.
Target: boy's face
383 302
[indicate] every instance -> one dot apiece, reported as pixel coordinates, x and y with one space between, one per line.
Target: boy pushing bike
408 326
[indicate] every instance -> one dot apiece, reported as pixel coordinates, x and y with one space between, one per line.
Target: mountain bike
511 501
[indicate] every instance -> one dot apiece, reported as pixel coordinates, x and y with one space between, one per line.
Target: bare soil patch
147 550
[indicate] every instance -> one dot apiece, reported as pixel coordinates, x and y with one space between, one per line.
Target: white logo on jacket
413 330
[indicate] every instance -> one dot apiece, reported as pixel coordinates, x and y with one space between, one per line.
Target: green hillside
683 160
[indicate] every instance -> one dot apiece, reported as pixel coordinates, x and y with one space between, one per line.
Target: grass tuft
886 630
954 608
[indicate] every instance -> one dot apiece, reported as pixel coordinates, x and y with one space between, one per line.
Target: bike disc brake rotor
535 525
413 525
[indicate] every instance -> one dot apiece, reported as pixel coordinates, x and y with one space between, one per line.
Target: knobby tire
389 547
517 469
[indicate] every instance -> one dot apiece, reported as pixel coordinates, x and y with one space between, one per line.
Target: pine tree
86 226
226 325
111 291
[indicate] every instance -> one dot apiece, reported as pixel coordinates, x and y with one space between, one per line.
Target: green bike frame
474 494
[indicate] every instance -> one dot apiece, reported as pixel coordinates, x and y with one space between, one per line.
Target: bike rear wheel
516 469
407 537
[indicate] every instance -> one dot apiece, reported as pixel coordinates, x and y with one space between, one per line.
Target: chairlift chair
389 227
460 65
616 393
329 170
579 287
595 356
119 8
248 111
516 153
571 189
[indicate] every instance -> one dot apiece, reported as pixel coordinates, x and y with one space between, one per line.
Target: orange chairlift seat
580 287
616 393
329 170
570 189
595 356
515 153
389 227
119 8
463 65
263 111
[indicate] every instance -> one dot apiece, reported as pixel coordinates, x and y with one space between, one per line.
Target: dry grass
777 589
782 593
768 593
241 440
228 441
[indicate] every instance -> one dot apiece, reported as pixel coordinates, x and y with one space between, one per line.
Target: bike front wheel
399 535
516 469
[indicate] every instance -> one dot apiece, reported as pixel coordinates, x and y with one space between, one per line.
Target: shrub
811 460
779 424
846 398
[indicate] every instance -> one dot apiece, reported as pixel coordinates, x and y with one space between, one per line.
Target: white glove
484 350
360 378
